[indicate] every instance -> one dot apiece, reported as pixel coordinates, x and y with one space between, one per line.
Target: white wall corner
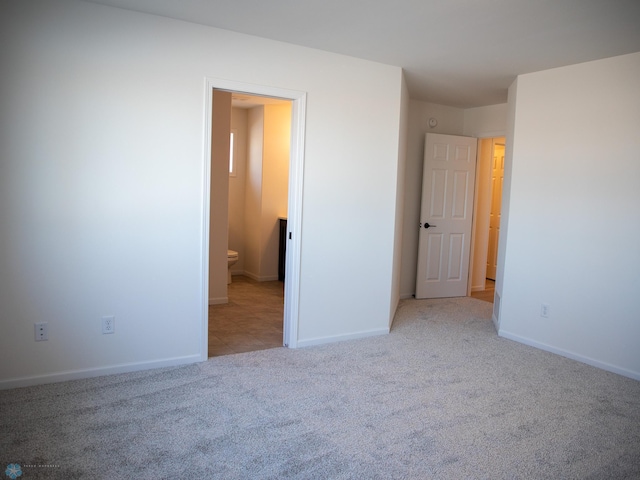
594 362
342 338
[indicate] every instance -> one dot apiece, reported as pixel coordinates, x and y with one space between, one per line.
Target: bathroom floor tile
252 320
488 292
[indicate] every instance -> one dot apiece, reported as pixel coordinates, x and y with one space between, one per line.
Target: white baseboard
496 323
258 278
340 338
405 296
480 288
572 355
218 301
96 372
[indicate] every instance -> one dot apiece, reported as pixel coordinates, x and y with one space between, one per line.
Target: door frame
294 215
493 136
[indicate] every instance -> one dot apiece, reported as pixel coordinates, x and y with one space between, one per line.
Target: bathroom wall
275 184
239 118
258 193
219 225
266 188
253 191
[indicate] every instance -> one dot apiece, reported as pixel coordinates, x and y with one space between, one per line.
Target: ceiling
461 53
243 100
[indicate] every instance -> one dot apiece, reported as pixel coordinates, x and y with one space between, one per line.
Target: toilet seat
232 259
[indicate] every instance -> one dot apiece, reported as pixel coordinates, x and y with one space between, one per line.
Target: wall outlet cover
41 331
108 324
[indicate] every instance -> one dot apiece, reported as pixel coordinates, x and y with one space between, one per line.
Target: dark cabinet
283 249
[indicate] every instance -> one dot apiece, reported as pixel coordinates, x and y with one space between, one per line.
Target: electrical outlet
42 331
544 310
108 324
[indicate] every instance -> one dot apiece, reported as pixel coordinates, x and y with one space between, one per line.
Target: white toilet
232 258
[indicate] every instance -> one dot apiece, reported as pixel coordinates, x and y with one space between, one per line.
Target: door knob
426 225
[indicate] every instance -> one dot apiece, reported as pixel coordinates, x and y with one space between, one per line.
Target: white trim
96 372
341 338
568 354
218 301
294 223
495 134
206 212
258 278
496 323
495 313
474 222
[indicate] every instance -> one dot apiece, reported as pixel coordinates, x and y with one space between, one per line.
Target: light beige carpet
440 397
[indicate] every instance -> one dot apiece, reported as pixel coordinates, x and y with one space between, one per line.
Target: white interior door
446 215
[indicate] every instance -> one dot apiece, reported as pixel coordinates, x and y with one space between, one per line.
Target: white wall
486 121
506 201
400 198
450 121
574 221
353 188
102 208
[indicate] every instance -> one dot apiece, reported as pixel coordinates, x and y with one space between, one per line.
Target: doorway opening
259 157
216 203
489 181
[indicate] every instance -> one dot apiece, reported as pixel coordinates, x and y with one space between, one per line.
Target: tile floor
487 293
252 320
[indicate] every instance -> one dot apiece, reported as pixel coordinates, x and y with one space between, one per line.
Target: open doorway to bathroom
215 195
259 156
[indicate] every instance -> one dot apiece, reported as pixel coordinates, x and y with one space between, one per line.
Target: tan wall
275 183
253 192
237 186
218 228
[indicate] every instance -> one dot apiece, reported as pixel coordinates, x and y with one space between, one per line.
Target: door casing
294 223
